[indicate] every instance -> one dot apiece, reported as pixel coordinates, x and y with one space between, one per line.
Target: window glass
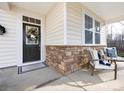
88 37
88 22
97 38
97 26
88 30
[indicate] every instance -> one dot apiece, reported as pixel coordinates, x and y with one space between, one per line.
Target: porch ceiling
109 11
37 7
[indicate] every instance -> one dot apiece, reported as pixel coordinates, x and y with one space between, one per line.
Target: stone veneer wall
67 59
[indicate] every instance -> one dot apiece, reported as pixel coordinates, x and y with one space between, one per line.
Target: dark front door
31 43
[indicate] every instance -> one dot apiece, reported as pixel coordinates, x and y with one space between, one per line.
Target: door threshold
31 62
31 67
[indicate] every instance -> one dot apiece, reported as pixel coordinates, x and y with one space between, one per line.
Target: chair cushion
102 52
119 59
111 52
98 55
95 54
104 62
100 66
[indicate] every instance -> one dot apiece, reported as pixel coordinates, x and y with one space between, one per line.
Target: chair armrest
92 63
95 60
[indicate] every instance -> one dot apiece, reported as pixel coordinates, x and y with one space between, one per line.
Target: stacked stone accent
67 59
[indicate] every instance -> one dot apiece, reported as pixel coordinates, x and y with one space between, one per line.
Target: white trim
93 30
65 23
32 23
42 39
4 65
20 39
31 62
105 29
43 49
83 27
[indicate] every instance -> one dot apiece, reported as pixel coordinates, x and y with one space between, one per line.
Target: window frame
93 30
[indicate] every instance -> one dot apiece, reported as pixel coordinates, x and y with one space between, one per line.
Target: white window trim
83 29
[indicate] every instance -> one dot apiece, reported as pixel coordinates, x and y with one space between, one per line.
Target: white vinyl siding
55 25
103 34
74 23
65 25
8 41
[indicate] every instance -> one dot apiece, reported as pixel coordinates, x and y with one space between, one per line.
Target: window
97 32
31 20
88 30
92 36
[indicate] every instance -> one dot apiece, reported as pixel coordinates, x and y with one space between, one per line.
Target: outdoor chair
112 53
95 65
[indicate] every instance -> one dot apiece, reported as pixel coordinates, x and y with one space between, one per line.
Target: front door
31 43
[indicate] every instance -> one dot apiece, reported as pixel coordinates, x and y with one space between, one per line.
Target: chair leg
92 72
88 65
115 72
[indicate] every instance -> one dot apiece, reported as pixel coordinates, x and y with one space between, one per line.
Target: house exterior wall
74 23
54 31
55 25
8 48
11 42
67 59
71 56
65 25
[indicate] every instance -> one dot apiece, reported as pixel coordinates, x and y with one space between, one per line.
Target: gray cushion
111 52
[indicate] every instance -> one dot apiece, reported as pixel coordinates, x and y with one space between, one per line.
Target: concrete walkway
11 81
83 81
48 79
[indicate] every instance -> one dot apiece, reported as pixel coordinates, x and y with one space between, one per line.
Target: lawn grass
121 54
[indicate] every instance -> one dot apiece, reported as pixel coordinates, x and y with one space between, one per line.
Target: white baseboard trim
4 65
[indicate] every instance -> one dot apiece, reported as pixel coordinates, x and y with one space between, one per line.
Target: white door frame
20 39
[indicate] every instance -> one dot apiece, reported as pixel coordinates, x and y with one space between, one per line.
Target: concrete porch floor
10 80
48 79
83 81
